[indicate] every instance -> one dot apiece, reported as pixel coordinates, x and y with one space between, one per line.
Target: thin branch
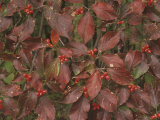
61 41
41 25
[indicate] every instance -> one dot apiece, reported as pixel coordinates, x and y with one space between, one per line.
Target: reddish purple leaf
78 49
26 56
94 85
27 101
54 37
124 114
37 3
73 95
10 107
54 86
8 57
18 65
104 115
19 78
107 100
104 11
109 40
86 27
64 76
1 46
79 109
5 22
82 75
112 60
132 59
74 1
152 15
45 109
66 51
120 76
155 47
155 65
123 95
135 19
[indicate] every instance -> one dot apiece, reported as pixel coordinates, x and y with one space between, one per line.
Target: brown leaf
26 56
109 40
66 51
155 47
64 76
86 27
54 37
94 85
120 75
37 3
8 57
74 1
5 22
152 15
155 65
104 115
78 49
132 59
135 19
124 114
73 95
10 107
27 101
79 109
45 109
107 100
82 75
104 11
112 60
18 65
1 46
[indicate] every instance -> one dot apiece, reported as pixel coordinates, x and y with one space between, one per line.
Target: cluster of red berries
150 2
41 92
28 10
77 80
79 11
146 49
48 42
27 76
92 52
63 58
95 106
120 22
155 116
132 87
85 92
1 104
105 75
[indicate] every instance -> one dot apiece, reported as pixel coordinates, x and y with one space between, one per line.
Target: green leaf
149 78
8 66
9 78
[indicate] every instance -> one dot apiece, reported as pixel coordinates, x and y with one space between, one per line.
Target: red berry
130 86
93 104
95 50
146 46
50 45
66 60
38 94
26 10
25 75
102 76
29 6
84 88
89 51
120 22
31 12
59 56
107 77
44 92
47 40
0 101
98 107
28 79
29 76
86 94
1 106
105 73
148 51
77 80
158 115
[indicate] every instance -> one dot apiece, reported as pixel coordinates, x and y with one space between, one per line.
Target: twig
61 41
41 25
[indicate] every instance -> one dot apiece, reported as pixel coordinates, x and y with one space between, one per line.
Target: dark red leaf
109 40
155 65
37 3
54 86
82 75
5 22
74 1
10 107
104 115
155 47
120 76
107 100
79 109
66 51
135 19
86 27
132 59
152 15
78 49
18 65
124 114
19 78
27 101
94 85
26 56
64 76
8 57
123 95
104 11
1 46
112 60
73 95
45 109
55 4
54 37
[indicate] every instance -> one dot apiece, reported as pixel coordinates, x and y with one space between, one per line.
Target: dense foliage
79 59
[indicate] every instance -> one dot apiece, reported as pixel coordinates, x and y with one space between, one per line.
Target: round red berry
29 6
25 75
47 40
0 101
44 92
84 88
95 50
50 45
107 77
1 106
102 76
86 94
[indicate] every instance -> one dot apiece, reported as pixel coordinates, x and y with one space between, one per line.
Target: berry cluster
41 92
28 10
92 52
79 11
63 58
85 92
48 42
150 2
120 22
155 116
132 87
95 106
77 80
146 49
105 75
1 104
27 76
